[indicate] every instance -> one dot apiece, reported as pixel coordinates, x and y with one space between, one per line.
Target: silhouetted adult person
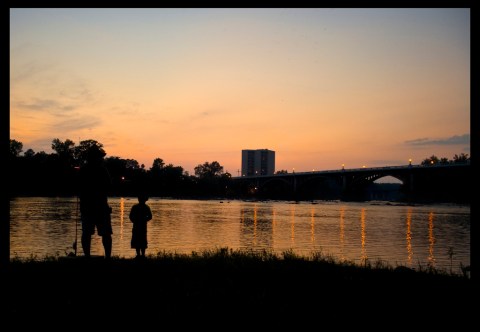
94 182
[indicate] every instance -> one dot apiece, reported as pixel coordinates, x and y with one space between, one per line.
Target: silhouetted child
140 214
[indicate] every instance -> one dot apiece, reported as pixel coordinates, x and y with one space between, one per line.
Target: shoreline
221 281
311 201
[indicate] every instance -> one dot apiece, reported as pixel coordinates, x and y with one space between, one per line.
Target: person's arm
149 213
131 216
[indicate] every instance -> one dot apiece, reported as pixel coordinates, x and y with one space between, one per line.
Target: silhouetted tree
64 149
116 166
41 156
132 164
430 161
157 165
173 180
15 148
211 181
81 151
121 178
29 154
433 160
208 170
462 158
62 166
65 152
283 171
173 171
226 184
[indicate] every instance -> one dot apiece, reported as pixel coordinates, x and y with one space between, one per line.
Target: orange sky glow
320 87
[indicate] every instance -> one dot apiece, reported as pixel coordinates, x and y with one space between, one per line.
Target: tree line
434 160
56 174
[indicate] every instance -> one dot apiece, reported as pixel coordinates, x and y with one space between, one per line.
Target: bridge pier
294 187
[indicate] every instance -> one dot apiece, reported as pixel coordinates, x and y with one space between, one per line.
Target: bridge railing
364 169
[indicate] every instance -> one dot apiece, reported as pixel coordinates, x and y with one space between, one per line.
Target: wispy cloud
45 105
31 71
50 88
75 124
453 140
203 115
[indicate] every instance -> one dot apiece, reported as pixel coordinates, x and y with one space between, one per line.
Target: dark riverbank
225 283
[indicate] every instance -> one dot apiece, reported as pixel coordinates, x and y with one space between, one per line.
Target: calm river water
426 235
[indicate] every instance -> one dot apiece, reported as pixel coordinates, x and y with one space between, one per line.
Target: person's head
142 198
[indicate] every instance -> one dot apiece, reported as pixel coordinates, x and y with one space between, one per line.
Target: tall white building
258 162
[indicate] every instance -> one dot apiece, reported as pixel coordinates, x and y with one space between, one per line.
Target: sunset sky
320 87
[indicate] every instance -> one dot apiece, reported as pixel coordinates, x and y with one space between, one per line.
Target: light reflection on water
431 240
362 223
409 237
342 232
398 235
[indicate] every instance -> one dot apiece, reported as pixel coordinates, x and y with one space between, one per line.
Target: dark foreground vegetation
222 283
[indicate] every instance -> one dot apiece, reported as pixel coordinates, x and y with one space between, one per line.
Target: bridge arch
389 179
369 178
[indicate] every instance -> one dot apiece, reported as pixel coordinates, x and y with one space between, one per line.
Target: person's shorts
101 221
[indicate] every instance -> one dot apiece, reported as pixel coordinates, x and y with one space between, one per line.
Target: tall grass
239 258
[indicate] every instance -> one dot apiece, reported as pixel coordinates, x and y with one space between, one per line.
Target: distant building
258 162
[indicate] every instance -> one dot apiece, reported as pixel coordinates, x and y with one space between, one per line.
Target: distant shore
314 201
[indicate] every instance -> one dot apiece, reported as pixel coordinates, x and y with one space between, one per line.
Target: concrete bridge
440 182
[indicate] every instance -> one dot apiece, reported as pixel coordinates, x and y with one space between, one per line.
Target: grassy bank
223 281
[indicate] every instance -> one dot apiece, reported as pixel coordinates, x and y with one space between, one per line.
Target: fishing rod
76 231
77 168
74 245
